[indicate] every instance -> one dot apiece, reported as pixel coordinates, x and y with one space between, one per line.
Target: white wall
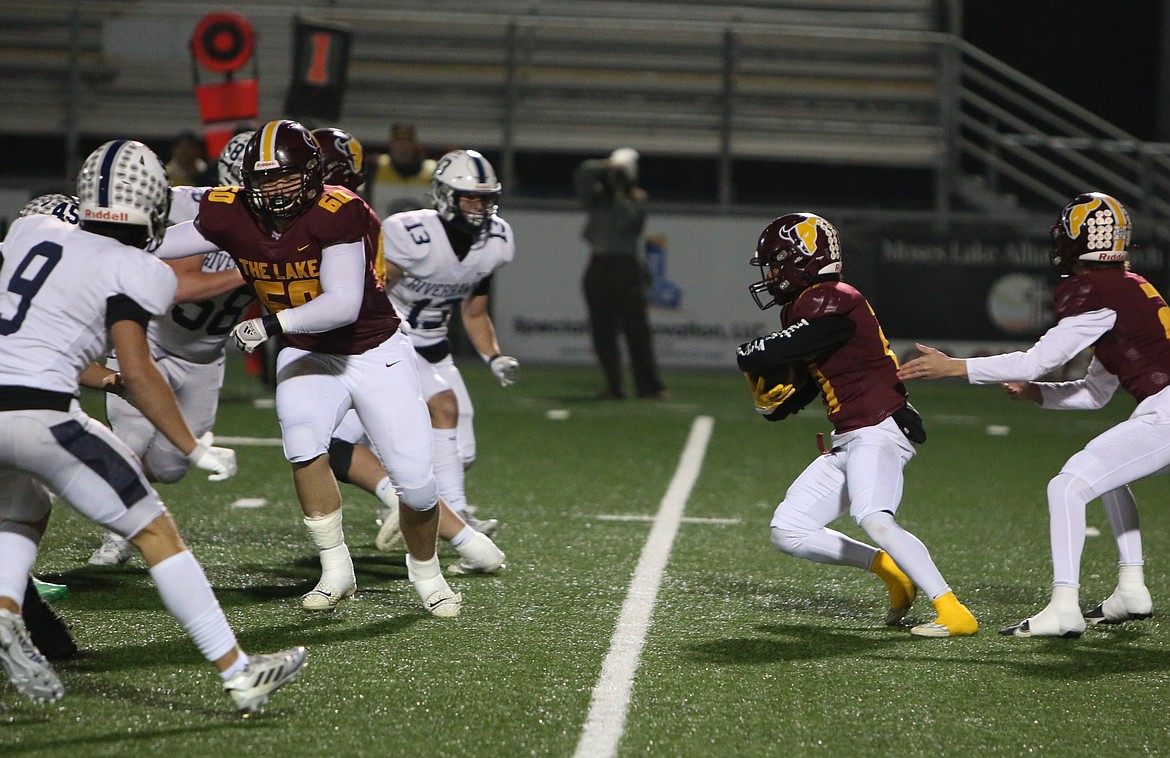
539 308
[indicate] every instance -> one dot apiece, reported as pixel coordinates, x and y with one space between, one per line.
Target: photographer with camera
616 278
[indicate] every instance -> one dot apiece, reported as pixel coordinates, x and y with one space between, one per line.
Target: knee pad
301 443
878 526
166 467
788 540
1066 487
422 498
340 458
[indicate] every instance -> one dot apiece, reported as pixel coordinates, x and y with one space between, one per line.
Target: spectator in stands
404 173
187 166
616 277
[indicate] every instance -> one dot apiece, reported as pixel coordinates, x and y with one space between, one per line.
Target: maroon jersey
1137 348
859 379
285 271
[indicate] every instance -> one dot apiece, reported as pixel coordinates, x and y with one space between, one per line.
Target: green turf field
749 652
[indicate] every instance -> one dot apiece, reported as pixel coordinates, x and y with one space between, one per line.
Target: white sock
238 665
465 534
426 576
449 469
187 595
18 546
386 493
326 533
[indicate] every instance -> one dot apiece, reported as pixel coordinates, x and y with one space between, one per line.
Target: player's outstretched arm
932 364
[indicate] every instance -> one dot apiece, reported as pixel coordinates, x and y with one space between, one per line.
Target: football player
1101 304
188 347
65 291
436 260
309 252
342 157
830 344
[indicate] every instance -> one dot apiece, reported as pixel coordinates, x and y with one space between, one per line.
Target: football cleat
389 530
1131 604
113 550
954 620
483 526
444 603
479 555
1049 623
27 668
249 689
325 596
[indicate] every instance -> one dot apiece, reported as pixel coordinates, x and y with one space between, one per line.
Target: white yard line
684 519
248 441
611 694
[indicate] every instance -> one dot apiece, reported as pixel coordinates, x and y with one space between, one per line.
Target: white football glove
252 333
505 367
220 461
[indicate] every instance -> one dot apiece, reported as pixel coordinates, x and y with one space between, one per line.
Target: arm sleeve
183 240
1058 346
125 308
342 286
1092 392
801 341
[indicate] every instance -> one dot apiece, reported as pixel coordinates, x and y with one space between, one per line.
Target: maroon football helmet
793 251
281 150
1093 227
342 155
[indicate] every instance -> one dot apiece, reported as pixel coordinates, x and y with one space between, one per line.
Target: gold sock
902 590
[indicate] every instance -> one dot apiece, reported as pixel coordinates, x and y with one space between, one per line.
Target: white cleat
479 555
325 596
113 551
487 526
28 670
250 688
389 532
1130 604
444 603
1050 622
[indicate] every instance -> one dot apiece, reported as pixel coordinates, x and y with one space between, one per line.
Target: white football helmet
64 207
231 158
124 182
465 173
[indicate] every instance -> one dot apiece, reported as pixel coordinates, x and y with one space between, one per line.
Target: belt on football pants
17 398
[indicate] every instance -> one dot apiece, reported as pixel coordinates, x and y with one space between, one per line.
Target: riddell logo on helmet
1111 257
105 214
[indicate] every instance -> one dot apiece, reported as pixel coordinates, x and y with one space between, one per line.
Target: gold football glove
768 399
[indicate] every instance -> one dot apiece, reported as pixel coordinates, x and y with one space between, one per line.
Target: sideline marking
611 694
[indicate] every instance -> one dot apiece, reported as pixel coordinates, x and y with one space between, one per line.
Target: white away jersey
54 283
436 280
197 332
